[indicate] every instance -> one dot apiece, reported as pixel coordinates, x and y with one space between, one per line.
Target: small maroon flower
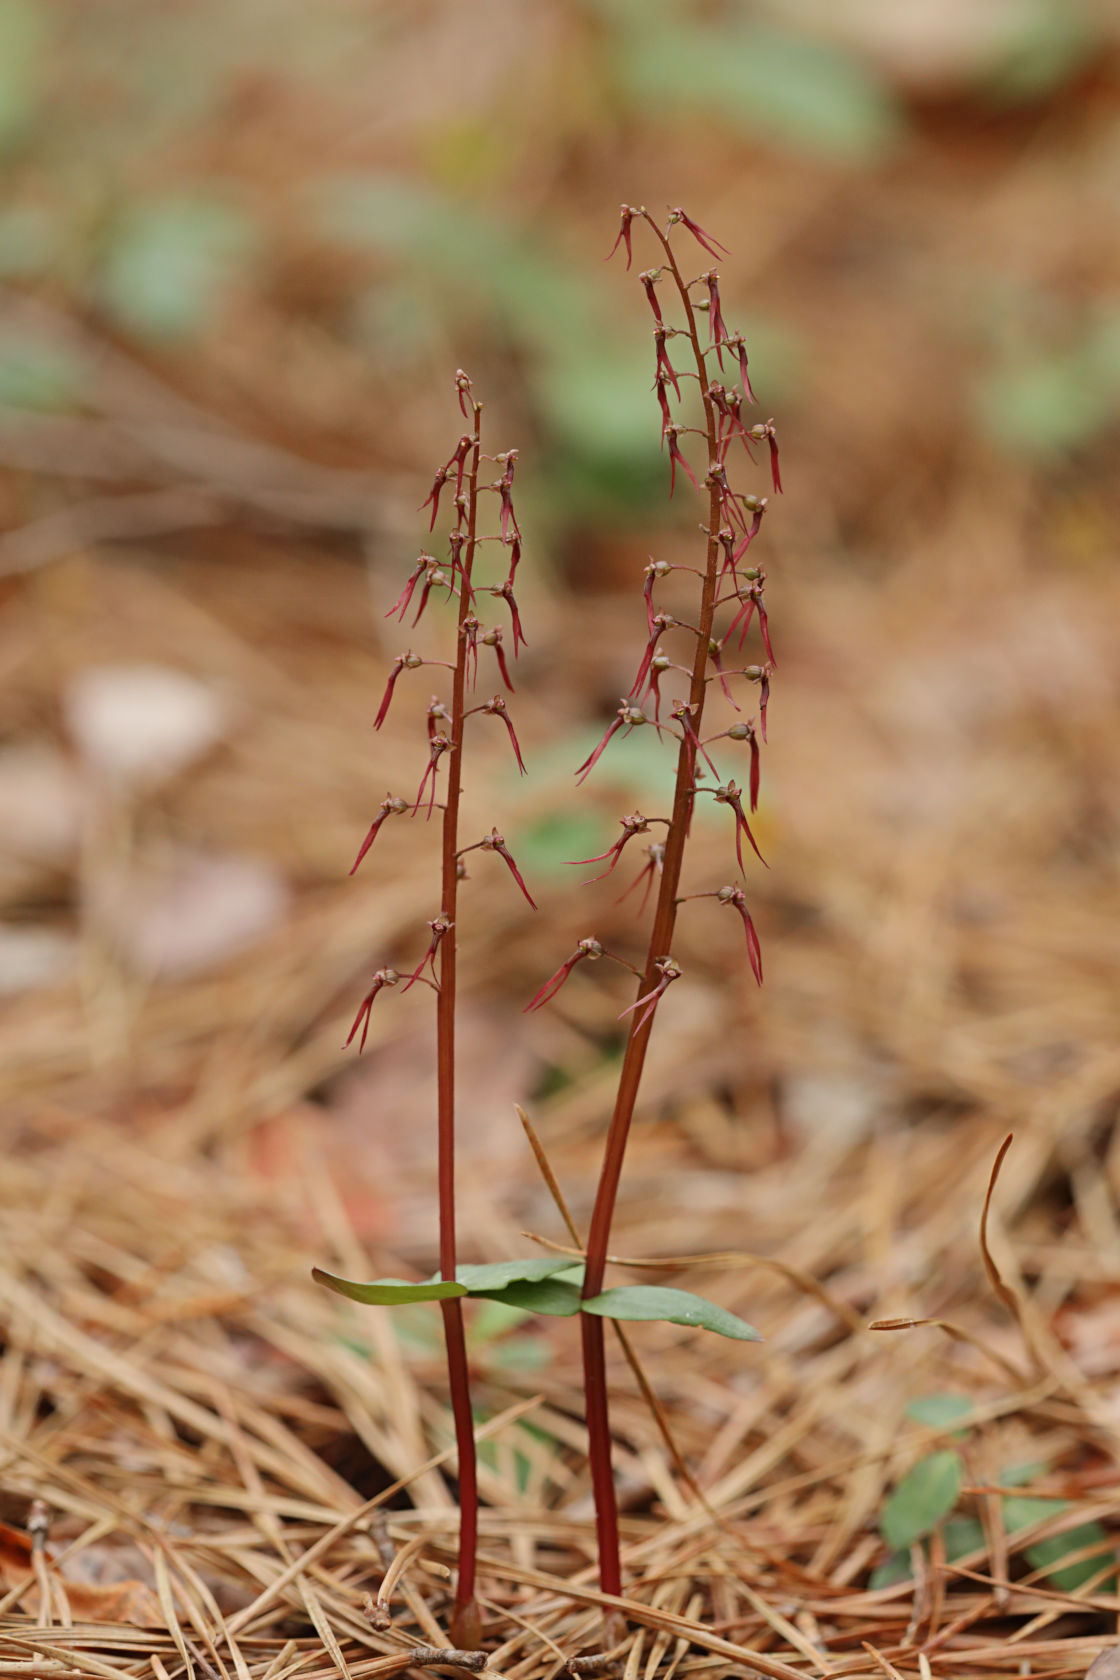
514 558
493 842
384 977
735 897
715 315
589 949
767 432
659 386
434 578
442 924
730 795
493 639
658 665
505 590
497 708
629 717
437 714
756 506
664 365
683 715
706 239
745 732
399 664
659 623
655 571
401 604
390 807
628 214
634 824
649 279
669 971
761 674
469 627
675 457
463 386
434 494
437 746
649 873
715 655
737 343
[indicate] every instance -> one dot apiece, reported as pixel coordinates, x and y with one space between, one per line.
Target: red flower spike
730 795
441 925
623 237
589 948
734 897
649 280
463 386
384 977
664 365
493 639
675 456
629 717
669 971
494 843
437 746
715 314
497 708
390 807
706 239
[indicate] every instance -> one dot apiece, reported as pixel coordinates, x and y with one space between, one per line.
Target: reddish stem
660 946
457 1367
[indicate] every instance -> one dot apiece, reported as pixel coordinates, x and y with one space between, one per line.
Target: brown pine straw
231 1460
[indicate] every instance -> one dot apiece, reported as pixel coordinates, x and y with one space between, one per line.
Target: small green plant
927 1500
731 599
731 595
455 578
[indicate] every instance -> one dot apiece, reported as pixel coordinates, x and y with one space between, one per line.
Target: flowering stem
594 1360
465 1628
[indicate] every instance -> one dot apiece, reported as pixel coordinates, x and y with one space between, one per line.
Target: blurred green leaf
557 838
920 1501
1018 1475
35 374
962 1535
1047 1554
168 263
29 241
940 1410
23 42
783 88
891 1571
1049 43
1049 402
650 1303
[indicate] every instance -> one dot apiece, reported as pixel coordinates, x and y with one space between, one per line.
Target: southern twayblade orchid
588 949
697 232
437 746
664 365
505 590
634 824
651 871
493 842
493 639
715 315
738 345
675 458
649 279
767 433
497 708
744 732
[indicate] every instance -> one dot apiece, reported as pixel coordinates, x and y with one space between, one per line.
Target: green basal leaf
389 1292
546 1295
891 1571
670 1306
940 1410
921 1500
962 1535
498 1275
